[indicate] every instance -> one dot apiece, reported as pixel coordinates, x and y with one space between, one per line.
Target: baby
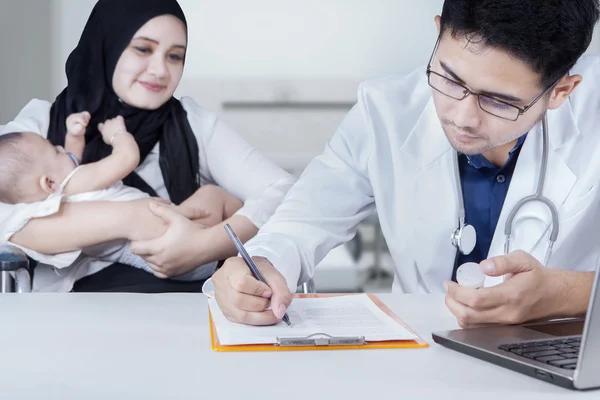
35 171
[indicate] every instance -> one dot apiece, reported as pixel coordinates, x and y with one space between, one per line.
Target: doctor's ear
563 90
438 23
47 184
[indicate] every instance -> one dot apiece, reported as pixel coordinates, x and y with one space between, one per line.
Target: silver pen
253 268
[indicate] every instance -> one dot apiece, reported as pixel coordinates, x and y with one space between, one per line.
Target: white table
127 346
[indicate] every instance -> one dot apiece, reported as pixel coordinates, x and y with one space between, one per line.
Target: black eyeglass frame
468 91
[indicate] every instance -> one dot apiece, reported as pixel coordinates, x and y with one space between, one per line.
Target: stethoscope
464 237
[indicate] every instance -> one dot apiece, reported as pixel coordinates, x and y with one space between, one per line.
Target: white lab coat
391 151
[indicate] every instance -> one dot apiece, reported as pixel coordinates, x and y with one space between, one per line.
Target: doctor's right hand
244 299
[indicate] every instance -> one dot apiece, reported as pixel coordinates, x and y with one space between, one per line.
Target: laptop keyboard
560 353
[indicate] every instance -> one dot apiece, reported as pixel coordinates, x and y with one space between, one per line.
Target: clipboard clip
321 339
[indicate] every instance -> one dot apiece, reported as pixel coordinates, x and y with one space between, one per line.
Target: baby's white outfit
117 251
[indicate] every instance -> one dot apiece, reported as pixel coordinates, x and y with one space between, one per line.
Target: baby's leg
205 199
220 204
230 204
200 273
117 251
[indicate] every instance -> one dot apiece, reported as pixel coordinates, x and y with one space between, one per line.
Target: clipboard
322 341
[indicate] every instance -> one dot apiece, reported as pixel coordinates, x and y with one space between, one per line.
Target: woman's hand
179 249
194 214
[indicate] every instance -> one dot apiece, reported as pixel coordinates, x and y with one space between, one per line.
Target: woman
128 62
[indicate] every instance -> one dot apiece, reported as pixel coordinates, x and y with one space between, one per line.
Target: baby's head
31 167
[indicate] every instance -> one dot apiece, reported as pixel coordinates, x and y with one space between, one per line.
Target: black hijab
90 69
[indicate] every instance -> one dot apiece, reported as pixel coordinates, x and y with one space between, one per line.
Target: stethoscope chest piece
464 238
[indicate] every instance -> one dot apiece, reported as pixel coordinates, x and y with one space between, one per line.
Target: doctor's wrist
261 259
571 292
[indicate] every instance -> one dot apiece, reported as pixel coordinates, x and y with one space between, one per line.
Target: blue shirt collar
478 161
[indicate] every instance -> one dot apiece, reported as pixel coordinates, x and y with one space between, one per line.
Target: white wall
68 19
285 38
311 38
269 50
595 45
26 49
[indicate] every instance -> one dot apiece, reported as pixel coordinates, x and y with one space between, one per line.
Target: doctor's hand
532 292
244 299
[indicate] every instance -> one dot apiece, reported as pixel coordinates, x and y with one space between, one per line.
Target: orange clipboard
390 344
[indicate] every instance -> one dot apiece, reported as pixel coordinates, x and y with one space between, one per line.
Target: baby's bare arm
75 137
101 174
75 145
124 158
79 225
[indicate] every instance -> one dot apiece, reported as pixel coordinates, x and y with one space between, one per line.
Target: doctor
467 129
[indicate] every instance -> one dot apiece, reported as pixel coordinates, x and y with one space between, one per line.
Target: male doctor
470 123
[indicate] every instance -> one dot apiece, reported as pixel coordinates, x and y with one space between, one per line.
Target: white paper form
353 315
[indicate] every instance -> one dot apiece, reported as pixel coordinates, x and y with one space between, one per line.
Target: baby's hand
76 123
111 128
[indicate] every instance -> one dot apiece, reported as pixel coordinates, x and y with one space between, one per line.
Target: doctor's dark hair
549 35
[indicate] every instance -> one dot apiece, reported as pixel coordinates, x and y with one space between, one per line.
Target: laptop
563 352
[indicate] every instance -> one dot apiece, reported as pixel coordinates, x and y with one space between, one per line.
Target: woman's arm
236 166
78 225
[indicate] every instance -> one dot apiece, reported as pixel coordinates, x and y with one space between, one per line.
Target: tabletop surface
136 346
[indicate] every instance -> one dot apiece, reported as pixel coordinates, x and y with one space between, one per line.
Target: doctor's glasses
489 104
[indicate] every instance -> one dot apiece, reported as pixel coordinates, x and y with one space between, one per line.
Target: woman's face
151 66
